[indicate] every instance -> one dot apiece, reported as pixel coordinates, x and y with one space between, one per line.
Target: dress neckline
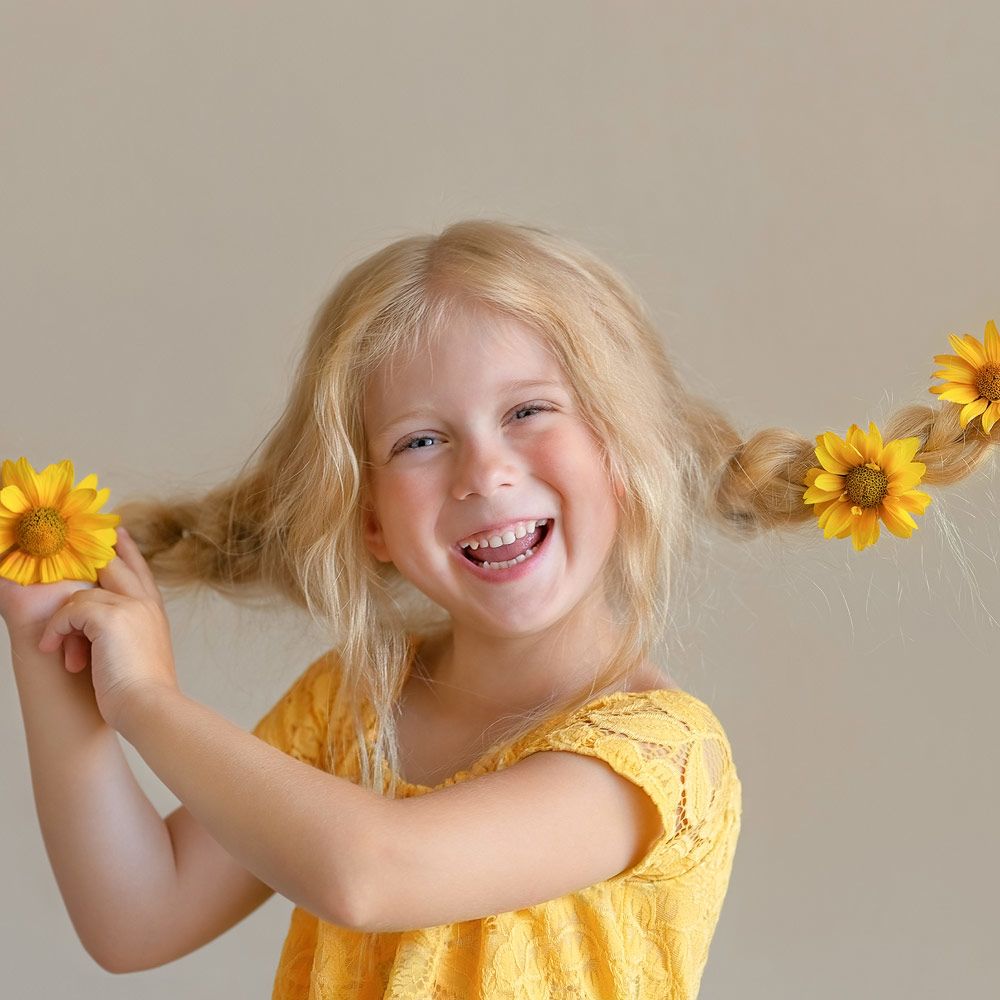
478 767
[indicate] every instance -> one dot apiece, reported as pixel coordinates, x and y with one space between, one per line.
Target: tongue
502 553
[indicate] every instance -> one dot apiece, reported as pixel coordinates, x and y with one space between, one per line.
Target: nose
482 467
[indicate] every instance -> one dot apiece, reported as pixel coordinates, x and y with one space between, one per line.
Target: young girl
484 487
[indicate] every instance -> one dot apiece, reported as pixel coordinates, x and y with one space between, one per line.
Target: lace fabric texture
643 933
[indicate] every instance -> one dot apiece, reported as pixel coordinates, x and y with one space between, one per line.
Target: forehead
468 357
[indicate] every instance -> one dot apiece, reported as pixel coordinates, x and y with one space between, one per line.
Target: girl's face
458 451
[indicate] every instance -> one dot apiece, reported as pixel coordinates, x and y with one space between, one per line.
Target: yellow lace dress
643 934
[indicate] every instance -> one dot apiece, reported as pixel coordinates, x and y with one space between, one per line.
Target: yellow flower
862 480
973 376
49 530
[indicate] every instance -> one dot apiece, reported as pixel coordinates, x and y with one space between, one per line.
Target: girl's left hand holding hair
125 623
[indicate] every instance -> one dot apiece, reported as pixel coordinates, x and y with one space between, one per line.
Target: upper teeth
505 537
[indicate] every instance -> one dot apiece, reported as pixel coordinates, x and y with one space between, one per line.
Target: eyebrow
517 384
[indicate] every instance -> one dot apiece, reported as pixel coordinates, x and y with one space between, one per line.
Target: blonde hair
291 522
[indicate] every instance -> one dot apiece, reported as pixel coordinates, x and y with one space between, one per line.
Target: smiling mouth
504 553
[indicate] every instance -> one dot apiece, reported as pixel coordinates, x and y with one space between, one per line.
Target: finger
77 652
132 558
83 612
120 575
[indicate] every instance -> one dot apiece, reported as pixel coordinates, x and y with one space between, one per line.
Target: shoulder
631 786
670 745
659 717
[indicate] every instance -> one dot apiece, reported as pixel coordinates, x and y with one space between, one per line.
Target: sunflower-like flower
973 375
862 480
49 530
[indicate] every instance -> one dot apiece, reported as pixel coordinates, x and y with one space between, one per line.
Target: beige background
807 197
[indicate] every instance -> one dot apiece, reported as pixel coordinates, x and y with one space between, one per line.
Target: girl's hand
26 610
126 625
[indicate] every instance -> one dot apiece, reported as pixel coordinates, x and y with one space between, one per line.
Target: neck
477 674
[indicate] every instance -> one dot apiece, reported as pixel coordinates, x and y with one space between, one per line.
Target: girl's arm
300 830
548 825
307 833
112 854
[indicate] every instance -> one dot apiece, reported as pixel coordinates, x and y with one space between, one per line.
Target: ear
371 533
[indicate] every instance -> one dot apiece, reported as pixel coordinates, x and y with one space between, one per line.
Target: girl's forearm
109 848
310 835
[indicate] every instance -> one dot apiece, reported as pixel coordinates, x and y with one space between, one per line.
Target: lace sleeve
296 723
677 753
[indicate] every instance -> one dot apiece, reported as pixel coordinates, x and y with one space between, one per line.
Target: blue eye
405 445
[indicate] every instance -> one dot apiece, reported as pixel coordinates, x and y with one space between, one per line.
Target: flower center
988 382
41 532
866 485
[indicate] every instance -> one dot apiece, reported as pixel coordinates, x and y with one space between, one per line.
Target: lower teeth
510 562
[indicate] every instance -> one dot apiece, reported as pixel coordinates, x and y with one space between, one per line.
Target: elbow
360 887
114 969
351 913
107 958
355 904
115 959
117 965
109 961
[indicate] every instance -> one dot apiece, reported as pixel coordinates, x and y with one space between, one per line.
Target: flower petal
991 415
899 453
897 518
906 478
14 499
856 438
954 361
88 545
960 375
958 394
829 483
830 463
840 517
55 482
874 442
22 475
92 522
90 483
813 495
972 410
78 500
77 566
866 529
914 501
843 452
19 566
50 569
991 340
969 348
827 512
101 499
823 506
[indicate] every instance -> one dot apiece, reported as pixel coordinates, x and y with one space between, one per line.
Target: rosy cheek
570 454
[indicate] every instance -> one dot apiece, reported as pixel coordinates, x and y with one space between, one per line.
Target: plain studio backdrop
806 195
